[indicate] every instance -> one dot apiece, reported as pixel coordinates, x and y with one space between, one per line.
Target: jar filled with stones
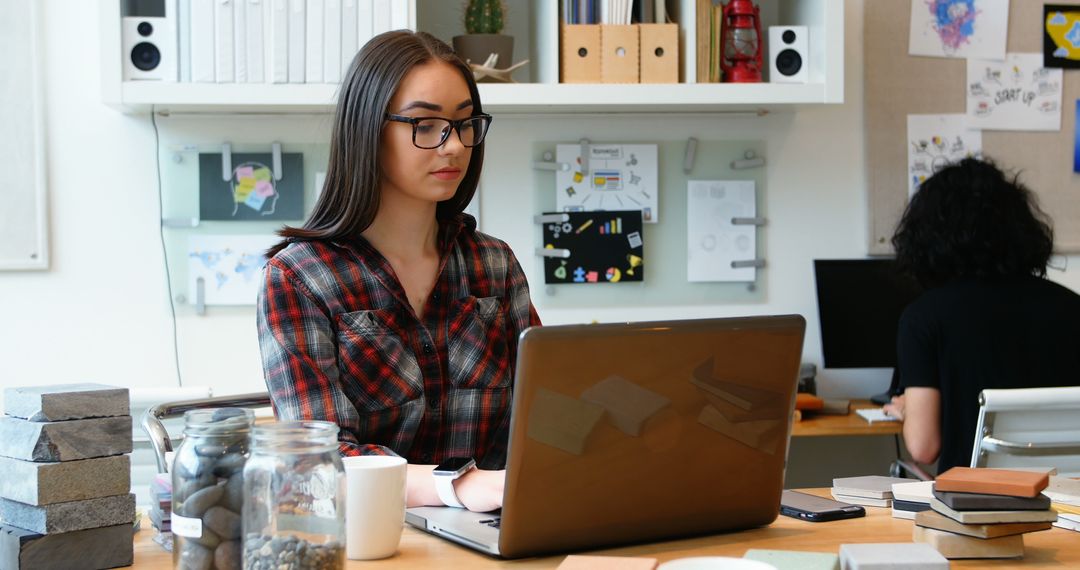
294 515
208 489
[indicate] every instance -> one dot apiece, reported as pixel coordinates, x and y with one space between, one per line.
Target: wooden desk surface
851 424
1055 547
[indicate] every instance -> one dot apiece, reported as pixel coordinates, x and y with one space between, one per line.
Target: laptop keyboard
493 523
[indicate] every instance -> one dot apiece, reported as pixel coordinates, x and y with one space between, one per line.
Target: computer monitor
859 306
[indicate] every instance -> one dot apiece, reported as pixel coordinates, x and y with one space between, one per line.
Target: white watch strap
444 486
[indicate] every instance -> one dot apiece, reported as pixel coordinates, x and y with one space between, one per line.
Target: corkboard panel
898 85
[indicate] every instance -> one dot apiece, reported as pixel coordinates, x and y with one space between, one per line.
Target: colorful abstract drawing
1061 36
954 21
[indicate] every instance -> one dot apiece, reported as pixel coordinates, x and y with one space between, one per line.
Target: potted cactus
483 37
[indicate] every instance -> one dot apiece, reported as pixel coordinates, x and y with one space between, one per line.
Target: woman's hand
895 408
481 490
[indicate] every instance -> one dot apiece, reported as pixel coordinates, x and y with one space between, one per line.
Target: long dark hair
970 219
350 198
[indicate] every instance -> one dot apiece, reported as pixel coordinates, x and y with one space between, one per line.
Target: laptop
638 432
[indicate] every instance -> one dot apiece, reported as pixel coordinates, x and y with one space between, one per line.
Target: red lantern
740 48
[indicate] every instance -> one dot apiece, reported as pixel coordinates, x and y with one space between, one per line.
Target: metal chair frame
159 436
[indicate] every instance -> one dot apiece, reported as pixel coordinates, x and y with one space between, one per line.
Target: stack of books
161 502
984 513
910 499
869 490
1064 495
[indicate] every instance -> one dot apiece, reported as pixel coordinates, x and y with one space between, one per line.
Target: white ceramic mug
375 505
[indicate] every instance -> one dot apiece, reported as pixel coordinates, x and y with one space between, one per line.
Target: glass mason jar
208 489
294 482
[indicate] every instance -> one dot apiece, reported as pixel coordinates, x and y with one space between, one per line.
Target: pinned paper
1061 36
713 240
934 142
959 28
1018 94
603 247
229 265
618 177
264 188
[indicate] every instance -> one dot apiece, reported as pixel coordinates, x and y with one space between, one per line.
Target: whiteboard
23 221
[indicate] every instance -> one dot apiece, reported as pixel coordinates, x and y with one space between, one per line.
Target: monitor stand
894 390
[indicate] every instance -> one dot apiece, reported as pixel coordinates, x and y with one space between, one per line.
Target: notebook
638 472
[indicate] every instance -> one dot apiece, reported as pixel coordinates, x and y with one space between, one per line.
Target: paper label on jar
186 526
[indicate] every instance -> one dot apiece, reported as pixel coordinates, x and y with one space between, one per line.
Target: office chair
159 436
1029 427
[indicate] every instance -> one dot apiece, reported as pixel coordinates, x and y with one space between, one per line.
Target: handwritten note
1017 94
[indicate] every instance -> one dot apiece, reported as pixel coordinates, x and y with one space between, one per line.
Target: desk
1055 547
851 424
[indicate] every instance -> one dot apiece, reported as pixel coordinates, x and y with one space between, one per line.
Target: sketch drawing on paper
934 142
959 28
618 177
954 21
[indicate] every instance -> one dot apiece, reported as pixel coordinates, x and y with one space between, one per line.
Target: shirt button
433 402
435 295
425 458
428 349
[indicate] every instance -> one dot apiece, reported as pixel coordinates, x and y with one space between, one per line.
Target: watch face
453 465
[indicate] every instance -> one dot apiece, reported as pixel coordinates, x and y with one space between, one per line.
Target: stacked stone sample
65 478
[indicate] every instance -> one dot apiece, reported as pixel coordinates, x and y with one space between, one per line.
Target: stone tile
46 483
61 402
64 441
69 516
92 549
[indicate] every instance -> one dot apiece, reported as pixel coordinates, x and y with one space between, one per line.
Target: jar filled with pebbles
294 482
208 489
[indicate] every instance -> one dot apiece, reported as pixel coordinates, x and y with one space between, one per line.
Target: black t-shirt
969 335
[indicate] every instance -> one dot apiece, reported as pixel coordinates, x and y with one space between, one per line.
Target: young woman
978 242
387 312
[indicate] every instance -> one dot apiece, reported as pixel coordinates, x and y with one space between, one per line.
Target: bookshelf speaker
789 49
149 48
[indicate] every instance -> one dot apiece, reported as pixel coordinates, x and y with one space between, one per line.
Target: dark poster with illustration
597 247
251 193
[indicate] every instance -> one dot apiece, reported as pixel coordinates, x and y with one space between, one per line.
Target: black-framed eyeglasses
432 132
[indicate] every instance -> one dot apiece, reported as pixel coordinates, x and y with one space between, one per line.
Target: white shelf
139 96
824 17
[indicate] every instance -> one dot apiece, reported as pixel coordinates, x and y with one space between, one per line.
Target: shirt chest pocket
377 368
477 344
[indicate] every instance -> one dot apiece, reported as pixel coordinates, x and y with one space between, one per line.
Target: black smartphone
817 509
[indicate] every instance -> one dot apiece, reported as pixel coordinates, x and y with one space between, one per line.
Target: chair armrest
159 437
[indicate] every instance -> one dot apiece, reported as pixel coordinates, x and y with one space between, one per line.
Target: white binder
332 41
278 40
256 37
313 70
365 20
297 43
348 33
240 41
183 15
224 50
381 18
399 15
202 41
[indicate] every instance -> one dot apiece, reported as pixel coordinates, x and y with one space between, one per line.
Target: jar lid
218 421
294 435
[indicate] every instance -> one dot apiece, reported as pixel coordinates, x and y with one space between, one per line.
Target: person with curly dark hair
975 239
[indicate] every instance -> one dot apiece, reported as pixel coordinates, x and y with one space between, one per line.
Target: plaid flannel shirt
340 342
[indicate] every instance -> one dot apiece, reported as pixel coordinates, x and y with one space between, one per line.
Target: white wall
101 312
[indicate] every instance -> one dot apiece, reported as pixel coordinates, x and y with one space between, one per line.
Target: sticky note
255 201
262 173
244 172
264 188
